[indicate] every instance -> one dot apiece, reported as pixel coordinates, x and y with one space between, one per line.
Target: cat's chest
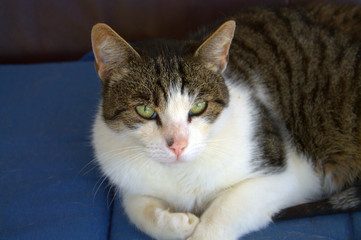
181 188
191 187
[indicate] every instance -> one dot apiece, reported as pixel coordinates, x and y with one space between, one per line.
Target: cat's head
166 94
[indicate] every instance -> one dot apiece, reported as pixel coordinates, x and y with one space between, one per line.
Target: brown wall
59 30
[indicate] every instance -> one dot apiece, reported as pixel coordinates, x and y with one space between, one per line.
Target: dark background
59 30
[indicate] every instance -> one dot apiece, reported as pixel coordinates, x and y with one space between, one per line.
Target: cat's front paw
176 225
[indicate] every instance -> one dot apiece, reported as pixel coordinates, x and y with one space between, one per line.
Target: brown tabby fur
312 77
344 17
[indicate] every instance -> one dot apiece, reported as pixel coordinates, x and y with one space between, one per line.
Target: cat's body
208 140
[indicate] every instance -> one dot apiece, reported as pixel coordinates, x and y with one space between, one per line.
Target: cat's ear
214 50
110 50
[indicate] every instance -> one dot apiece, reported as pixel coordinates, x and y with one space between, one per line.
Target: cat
211 137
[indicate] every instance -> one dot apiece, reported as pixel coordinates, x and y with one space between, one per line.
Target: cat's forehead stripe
169 73
163 89
182 76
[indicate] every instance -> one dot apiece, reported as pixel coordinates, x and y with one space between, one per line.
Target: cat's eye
198 109
146 112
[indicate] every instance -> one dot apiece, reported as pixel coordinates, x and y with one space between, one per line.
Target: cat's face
167 99
168 111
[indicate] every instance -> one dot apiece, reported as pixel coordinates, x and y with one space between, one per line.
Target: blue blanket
50 187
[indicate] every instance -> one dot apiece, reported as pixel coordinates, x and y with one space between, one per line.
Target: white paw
176 225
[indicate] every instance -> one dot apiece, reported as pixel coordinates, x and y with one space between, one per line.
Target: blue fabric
121 228
49 188
356 224
338 226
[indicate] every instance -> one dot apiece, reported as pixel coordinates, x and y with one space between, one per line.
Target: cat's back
306 70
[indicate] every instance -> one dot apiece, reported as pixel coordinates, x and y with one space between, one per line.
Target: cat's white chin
177 162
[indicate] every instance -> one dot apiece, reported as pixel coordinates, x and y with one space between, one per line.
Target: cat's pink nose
178 146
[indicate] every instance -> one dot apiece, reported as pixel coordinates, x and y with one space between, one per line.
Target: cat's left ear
215 49
110 50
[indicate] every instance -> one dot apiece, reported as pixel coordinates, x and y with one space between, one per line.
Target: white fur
214 176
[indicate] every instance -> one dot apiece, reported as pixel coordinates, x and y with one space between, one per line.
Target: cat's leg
251 204
153 217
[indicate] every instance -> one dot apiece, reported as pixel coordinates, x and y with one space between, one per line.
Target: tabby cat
211 137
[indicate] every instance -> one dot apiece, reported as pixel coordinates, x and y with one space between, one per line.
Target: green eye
146 112
198 109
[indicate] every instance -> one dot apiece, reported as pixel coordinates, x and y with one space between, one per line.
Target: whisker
87 165
115 192
129 160
91 169
102 179
110 191
120 150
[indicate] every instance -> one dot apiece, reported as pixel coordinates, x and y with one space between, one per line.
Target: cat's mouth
177 162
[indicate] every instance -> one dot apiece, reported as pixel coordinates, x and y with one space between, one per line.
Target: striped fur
311 77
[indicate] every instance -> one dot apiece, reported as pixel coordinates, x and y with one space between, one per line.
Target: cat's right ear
110 50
